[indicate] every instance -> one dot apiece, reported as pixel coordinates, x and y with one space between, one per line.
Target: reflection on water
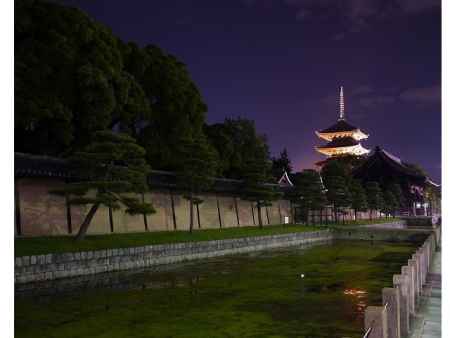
251 295
359 299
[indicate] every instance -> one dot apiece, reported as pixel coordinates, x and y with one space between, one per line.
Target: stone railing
393 319
56 266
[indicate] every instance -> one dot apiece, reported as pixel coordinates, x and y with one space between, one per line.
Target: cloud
430 94
356 15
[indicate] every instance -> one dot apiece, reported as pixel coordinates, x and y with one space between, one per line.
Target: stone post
408 273
423 265
375 317
415 268
416 257
391 297
400 282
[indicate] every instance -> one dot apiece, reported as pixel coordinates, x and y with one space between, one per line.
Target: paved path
427 321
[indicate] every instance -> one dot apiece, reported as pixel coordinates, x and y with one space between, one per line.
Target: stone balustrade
393 319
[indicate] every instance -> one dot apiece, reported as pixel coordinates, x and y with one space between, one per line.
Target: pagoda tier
341 129
341 146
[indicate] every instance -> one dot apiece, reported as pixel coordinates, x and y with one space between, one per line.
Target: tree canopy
236 141
73 77
281 164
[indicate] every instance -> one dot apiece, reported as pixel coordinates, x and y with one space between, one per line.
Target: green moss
253 295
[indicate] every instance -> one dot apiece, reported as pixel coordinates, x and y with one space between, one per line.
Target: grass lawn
58 244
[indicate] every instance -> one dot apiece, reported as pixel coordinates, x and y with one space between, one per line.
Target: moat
319 291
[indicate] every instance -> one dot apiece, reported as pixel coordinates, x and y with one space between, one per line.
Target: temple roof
338 142
380 162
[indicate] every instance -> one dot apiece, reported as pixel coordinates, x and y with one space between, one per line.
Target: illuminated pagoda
342 137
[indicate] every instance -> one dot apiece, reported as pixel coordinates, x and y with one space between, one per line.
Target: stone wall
56 266
41 213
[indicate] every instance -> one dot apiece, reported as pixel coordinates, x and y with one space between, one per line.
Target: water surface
259 294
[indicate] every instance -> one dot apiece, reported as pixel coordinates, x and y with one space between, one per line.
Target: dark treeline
83 94
73 77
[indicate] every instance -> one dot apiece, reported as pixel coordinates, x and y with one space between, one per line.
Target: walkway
427 321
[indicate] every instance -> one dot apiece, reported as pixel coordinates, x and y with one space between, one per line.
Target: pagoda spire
341 104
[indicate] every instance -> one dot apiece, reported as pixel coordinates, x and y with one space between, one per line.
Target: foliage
358 197
281 164
396 189
178 110
390 204
236 140
309 192
254 186
199 166
73 77
69 79
374 196
335 168
112 171
338 193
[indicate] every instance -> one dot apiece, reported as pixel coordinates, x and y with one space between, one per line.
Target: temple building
342 138
386 169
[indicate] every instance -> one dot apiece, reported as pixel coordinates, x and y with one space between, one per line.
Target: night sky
281 63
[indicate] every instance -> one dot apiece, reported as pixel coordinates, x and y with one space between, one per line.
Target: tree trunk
258 206
191 214
87 221
356 215
370 214
335 216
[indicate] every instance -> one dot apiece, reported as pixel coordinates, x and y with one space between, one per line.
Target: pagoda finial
341 103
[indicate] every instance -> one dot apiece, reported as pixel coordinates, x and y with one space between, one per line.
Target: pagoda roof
340 126
338 142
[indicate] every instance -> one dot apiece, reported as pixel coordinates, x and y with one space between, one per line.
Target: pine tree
110 168
390 202
338 194
199 167
374 196
254 186
281 164
309 192
358 197
398 193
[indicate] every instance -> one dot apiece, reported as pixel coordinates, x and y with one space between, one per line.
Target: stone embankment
56 266
393 319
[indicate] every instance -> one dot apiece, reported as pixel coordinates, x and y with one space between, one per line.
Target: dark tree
338 194
255 188
358 197
399 196
199 166
390 203
112 169
309 192
178 110
236 140
374 196
69 79
281 164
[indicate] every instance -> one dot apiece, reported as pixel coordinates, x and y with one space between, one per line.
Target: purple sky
280 63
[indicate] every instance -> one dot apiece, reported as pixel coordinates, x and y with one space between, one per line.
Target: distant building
342 138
